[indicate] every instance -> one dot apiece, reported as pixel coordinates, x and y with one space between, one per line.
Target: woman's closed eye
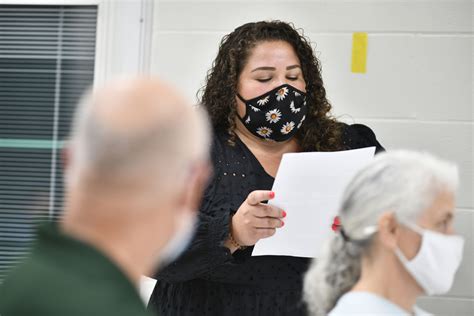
292 78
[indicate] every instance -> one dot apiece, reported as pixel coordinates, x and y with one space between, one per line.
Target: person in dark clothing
265 97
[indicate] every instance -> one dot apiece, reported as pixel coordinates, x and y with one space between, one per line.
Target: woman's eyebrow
273 68
264 68
293 67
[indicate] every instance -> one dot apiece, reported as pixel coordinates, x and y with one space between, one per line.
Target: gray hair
403 182
173 136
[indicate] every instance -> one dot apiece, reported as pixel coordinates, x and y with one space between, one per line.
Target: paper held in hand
309 187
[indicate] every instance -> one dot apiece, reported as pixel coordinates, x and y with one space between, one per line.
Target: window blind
47 55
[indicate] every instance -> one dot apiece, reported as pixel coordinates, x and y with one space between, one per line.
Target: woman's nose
281 81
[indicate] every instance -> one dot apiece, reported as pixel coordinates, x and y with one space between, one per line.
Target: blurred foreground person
137 162
396 241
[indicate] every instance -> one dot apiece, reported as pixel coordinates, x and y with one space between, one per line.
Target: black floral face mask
275 115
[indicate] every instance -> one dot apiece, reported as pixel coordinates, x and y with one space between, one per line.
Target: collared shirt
369 304
64 276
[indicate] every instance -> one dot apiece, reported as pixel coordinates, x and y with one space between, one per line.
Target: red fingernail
284 213
272 195
282 223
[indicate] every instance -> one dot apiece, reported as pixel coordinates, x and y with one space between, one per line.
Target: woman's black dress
207 279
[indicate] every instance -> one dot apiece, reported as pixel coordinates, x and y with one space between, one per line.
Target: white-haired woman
396 241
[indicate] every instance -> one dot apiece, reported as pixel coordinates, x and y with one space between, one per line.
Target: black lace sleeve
206 250
359 136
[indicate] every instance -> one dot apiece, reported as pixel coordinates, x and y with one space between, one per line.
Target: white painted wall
123 38
417 92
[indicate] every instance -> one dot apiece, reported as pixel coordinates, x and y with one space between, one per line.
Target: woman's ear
388 230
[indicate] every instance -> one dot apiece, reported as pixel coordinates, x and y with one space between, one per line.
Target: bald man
136 168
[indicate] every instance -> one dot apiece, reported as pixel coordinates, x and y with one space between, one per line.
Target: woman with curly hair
265 97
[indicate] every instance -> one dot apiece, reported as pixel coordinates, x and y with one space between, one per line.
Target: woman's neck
268 153
397 286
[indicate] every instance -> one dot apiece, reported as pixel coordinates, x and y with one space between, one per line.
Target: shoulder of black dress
359 136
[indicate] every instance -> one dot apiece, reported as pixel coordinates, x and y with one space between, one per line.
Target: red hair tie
336 225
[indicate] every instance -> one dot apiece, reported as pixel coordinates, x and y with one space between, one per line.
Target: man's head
137 161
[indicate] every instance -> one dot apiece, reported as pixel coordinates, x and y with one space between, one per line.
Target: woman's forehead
442 206
273 54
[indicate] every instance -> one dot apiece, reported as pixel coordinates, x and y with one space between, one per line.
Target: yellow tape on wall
359 52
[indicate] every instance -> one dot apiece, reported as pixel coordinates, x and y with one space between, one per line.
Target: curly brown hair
320 132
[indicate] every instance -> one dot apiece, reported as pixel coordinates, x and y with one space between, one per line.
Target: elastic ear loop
414 227
245 103
417 230
241 99
401 256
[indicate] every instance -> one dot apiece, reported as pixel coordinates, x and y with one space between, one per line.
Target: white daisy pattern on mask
301 122
247 120
292 107
287 128
282 93
297 94
255 109
264 131
273 116
263 101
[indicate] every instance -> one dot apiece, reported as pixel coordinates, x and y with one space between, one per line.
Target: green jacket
66 277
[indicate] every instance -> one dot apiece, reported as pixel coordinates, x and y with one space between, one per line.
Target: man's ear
196 184
388 230
66 153
66 162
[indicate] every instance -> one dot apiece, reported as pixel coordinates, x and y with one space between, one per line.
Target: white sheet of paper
309 187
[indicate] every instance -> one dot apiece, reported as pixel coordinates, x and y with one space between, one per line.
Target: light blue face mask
437 261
